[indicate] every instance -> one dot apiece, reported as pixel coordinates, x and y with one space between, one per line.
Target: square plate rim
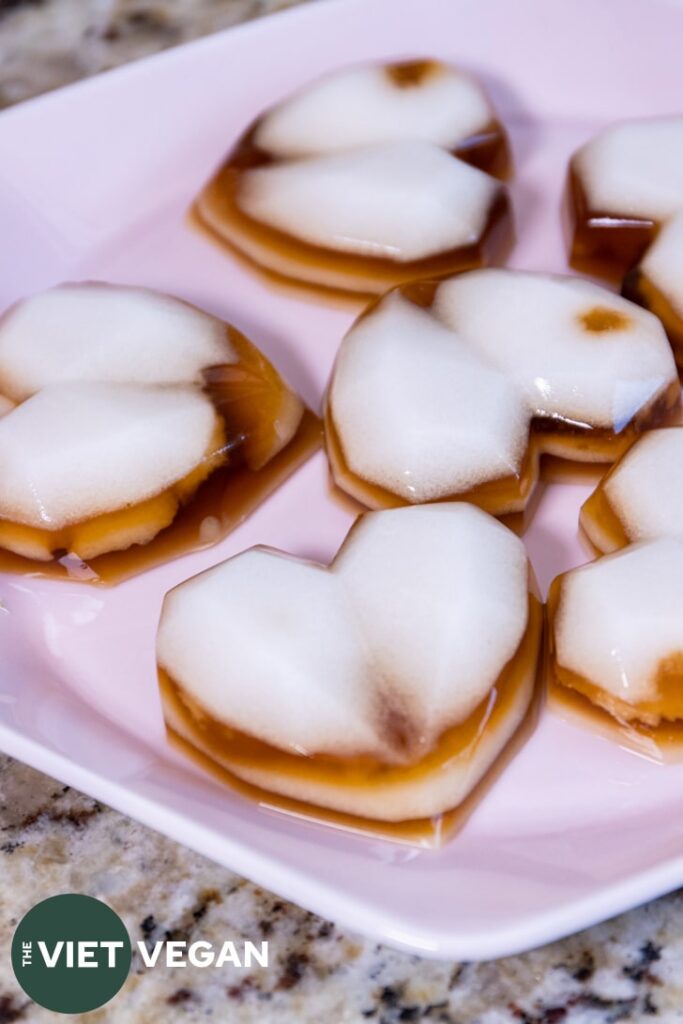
547 925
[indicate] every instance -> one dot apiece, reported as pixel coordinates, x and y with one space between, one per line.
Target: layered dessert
130 423
616 638
455 389
641 497
626 209
382 687
367 178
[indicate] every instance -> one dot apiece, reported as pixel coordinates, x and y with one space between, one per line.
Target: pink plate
94 183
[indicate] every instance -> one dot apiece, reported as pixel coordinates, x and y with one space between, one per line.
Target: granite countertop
46 43
53 839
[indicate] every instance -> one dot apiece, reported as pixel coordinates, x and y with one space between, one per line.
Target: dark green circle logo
71 953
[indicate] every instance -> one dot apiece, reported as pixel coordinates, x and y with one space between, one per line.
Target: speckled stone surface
46 43
54 840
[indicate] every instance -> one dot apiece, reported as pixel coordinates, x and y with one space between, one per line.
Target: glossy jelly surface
641 497
616 646
456 389
137 428
223 752
375 135
625 208
409 717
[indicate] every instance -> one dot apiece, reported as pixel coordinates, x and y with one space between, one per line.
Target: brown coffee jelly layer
611 247
506 495
557 450
600 524
580 699
248 396
564 446
217 211
488 149
638 288
214 746
603 244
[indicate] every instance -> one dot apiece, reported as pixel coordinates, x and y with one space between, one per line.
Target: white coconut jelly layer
643 492
415 621
657 282
663 262
367 178
107 421
374 201
430 402
581 353
618 631
634 169
626 200
362 106
102 332
75 451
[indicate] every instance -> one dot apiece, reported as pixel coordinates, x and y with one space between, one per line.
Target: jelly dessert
616 638
657 282
626 210
383 687
454 389
132 427
641 497
367 178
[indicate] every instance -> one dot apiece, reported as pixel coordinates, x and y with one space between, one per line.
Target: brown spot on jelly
409 73
568 449
600 319
399 731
